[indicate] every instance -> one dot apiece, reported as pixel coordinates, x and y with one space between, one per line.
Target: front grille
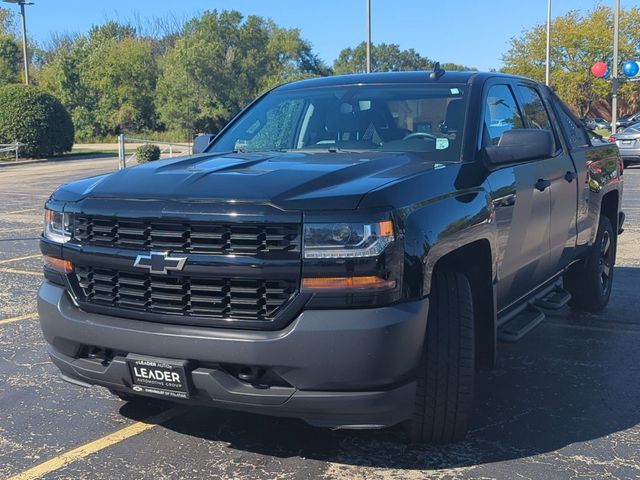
190 237
183 295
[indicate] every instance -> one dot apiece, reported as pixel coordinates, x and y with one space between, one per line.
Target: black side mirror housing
201 142
520 145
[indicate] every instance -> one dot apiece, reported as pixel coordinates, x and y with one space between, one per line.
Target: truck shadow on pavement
572 380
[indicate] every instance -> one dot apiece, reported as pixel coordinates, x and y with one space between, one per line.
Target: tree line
173 77
176 77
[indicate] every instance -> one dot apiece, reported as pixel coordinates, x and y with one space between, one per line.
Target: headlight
57 226
346 240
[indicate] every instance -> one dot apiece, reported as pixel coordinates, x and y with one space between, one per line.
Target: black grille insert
243 299
193 237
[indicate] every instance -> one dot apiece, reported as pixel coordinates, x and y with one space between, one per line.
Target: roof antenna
437 71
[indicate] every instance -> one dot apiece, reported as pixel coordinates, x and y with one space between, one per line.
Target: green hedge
30 116
147 153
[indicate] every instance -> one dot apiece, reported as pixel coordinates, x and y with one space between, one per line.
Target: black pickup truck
347 251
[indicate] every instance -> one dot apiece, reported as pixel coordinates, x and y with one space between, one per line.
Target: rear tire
445 382
589 281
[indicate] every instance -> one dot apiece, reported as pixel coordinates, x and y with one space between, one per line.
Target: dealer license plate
159 376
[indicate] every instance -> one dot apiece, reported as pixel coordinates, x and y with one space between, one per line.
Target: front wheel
445 379
590 280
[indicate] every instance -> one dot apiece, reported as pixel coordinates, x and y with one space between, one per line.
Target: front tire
445 380
590 280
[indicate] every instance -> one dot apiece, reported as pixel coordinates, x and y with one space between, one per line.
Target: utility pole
614 77
547 63
368 36
25 53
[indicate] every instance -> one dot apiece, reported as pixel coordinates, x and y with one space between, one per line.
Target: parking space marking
17 259
24 211
29 316
20 272
60 461
13 230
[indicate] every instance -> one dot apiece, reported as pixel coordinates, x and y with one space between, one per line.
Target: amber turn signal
386 228
348 283
59 265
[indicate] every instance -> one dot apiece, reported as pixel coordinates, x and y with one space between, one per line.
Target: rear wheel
445 379
589 281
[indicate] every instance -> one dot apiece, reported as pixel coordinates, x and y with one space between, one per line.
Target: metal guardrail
122 139
9 147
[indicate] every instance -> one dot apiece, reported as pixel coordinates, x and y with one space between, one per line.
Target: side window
575 135
533 108
501 114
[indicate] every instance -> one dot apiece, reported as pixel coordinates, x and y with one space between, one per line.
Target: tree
106 79
220 62
9 60
385 57
578 40
38 120
123 74
9 49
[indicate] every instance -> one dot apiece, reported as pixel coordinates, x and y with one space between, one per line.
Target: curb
88 156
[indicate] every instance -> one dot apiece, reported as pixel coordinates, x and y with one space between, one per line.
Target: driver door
521 212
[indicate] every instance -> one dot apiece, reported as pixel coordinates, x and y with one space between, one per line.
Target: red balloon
599 69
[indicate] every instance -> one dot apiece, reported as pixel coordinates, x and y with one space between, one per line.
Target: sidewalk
102 152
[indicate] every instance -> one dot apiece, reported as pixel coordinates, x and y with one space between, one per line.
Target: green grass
176 137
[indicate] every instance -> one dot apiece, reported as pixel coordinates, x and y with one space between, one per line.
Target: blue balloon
630 69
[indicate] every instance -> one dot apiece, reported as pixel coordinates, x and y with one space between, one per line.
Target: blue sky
469 32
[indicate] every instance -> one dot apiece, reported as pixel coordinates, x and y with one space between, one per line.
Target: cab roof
393 77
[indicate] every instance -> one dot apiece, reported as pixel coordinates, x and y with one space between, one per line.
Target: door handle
542 184
569 176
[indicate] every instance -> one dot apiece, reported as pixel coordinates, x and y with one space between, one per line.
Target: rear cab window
574 133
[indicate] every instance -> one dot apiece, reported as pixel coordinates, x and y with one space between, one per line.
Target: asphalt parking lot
562 403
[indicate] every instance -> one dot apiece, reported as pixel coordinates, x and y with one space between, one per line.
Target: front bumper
342 368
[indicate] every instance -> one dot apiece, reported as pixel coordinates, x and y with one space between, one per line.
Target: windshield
425 119
632 128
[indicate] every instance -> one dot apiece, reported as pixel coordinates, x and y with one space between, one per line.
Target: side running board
554 300
517 323
520 324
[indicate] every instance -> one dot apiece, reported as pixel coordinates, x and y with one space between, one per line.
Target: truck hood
312 181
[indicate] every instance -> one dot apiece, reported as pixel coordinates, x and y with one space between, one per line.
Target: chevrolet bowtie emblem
160 262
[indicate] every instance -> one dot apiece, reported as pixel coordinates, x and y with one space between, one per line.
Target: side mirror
520 145
201 141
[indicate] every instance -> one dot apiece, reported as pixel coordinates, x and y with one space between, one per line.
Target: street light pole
547 63
614 77
368 36
25 52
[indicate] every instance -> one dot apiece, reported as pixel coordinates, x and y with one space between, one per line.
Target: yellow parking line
20 272
29 316
17 259
60 461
